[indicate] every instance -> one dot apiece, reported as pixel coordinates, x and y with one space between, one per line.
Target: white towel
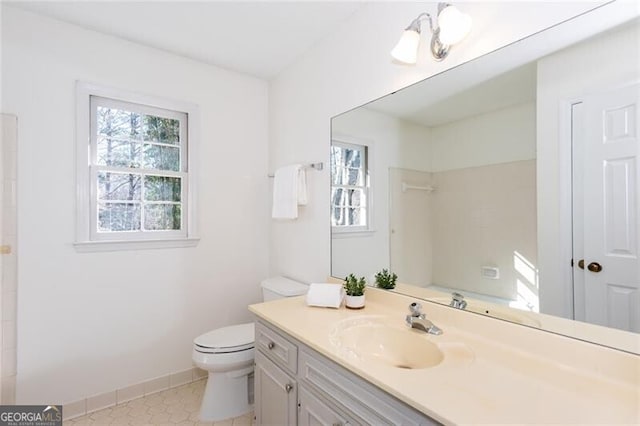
325 295
302 187
289 191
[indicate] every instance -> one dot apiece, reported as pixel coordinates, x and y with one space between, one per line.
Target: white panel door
611 181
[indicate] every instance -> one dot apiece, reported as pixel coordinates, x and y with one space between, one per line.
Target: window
133 168
349 187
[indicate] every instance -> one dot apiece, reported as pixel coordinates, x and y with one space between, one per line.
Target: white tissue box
325 295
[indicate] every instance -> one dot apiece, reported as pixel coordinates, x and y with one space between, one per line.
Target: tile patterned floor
179 405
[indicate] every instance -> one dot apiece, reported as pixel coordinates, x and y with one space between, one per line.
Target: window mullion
156 143
138 141
350 187
158 202
120 201
137 171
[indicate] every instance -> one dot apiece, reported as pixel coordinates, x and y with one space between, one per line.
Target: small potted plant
354 288
386 280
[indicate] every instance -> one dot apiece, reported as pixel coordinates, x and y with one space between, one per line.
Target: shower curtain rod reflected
315 166
406 187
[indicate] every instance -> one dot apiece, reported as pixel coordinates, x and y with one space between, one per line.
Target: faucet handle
457 300
416 309
457 296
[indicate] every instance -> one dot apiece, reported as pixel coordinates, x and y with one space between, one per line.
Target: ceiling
260 38
423 105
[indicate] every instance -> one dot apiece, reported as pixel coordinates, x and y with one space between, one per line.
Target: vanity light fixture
452 27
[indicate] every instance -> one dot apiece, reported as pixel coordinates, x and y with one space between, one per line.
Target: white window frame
87 236
346 231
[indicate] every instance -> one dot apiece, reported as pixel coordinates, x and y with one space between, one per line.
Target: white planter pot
354 302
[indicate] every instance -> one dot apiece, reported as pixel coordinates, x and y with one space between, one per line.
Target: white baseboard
121 396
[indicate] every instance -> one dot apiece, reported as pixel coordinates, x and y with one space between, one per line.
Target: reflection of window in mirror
350 187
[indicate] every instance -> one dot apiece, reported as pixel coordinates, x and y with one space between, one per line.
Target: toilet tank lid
227 337
285 286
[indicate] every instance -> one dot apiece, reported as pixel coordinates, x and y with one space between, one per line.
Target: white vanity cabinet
314 411
296 385
276 389
276 394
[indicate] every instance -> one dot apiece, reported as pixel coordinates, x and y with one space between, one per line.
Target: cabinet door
276 394
314 412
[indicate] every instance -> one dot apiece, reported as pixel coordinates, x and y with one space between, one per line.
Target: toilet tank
281 287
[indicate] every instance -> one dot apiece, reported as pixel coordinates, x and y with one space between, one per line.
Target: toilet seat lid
233 338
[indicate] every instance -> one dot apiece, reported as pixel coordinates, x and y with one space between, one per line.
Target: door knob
288 387
594 267
581 264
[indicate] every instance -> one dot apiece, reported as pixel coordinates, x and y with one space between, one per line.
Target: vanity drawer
366 402
277 348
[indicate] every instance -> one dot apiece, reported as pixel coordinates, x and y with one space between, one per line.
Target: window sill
353 234
120 245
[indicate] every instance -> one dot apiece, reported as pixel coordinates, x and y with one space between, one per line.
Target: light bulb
454 25
406 50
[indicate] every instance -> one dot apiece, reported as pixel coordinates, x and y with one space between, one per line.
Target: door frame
565 191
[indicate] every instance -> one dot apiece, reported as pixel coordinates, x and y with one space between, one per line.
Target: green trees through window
139 170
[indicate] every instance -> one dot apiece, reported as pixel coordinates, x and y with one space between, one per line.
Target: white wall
393 143
94 322
605 62
501 136
352 67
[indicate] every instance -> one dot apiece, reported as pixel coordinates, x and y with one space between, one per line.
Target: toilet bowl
227 354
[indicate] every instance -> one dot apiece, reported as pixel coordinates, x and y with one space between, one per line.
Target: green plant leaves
354 286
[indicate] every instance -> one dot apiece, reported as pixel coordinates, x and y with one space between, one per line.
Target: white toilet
227 354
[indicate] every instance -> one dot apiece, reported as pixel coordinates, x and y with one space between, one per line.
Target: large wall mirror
512 179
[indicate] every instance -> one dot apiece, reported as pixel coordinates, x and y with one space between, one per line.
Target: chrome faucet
418 320
457 301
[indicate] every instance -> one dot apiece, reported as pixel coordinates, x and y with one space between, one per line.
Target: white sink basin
370 340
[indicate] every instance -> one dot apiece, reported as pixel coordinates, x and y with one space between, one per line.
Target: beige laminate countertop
506 374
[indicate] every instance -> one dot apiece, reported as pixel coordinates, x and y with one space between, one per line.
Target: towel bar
315 166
